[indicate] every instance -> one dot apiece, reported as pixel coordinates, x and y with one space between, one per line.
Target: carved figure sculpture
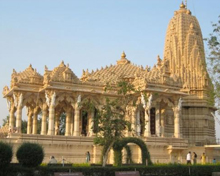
20 100
53 99
143 100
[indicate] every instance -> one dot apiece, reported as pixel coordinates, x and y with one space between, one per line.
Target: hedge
171 170
5 154
120 144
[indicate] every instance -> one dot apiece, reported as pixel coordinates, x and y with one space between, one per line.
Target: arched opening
119 145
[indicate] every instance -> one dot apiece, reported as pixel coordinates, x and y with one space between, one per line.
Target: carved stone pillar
147 107
177 112
51 120
12 118
147 132
19 112
76 120
57 122
44 120
29 122
51 104
162 122
72 123
158 129
68 116
138 123
91 123
18 119
35 121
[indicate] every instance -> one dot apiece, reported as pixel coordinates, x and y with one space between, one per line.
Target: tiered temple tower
184 49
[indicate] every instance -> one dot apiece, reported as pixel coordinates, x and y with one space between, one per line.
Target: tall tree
214 58
111 118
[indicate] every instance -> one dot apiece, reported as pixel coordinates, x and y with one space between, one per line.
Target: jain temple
176 118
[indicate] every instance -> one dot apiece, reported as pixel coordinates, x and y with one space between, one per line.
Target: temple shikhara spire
170 113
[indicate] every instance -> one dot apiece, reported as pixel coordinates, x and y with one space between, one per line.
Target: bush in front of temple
30 154
5 154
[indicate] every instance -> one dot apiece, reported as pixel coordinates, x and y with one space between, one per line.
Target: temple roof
29 75
125 70
62 73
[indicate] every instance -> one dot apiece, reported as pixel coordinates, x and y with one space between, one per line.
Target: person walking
194 158
203 158
87 156
188 158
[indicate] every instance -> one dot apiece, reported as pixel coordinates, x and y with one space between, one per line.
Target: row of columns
159 120
73 128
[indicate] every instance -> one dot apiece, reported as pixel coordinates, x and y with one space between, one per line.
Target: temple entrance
152 121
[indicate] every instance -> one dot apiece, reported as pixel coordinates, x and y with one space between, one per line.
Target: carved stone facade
176 88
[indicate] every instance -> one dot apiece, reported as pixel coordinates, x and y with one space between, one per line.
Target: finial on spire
123 59
186 3
182 6
123 55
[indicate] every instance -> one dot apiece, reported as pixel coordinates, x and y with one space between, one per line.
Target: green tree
111 118
62 126
5 120
213 43
5 154
30 154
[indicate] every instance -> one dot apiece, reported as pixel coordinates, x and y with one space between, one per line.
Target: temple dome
184 49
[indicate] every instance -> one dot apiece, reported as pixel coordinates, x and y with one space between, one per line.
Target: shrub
5 154
30 154
118 146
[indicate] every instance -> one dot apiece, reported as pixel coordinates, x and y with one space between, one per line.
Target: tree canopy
213 42
111 117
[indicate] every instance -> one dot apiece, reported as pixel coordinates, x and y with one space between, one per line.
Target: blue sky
88 33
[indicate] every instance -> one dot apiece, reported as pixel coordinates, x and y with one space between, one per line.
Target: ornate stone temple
174 118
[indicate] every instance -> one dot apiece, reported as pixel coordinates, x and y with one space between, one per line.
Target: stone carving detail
79 98
143 100
50 98
5 90
62 73
15 100
150 100
192 69
47 99
20 100
53 99
180 104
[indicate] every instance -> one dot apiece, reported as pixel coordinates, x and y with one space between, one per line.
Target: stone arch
166 100
120 144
